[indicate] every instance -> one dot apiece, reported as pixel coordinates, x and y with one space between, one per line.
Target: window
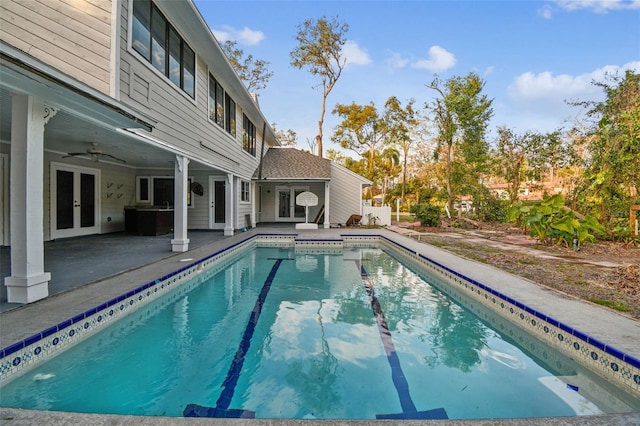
230 120
216 102
161 45
245 194
159 190
143 190
222 109
248 136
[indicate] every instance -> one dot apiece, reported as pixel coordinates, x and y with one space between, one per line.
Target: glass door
217 202
74 201
286 208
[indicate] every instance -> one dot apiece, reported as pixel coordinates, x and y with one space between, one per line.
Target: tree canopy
461 115
253 72
319 50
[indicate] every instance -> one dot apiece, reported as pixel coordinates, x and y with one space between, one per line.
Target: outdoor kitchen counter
151 220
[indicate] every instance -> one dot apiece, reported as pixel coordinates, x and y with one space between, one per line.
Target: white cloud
439 60
598 6
395 60
354 54
244 36
545 11
544 96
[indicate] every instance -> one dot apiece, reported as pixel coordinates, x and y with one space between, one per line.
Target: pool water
350 334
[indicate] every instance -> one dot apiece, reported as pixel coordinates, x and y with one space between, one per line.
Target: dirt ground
605 273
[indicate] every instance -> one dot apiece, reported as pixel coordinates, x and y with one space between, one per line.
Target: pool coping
570 317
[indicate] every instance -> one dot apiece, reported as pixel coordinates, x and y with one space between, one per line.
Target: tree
362 131
286 137
320 50
253 73
402 124
611 176
526 157
388 162
461 115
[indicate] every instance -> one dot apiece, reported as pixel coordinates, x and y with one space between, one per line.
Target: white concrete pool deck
601 323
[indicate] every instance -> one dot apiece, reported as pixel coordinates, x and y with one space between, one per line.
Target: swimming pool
398 346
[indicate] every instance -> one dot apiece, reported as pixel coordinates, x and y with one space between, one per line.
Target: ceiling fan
95 154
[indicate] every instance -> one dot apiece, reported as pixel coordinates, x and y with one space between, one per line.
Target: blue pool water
353 334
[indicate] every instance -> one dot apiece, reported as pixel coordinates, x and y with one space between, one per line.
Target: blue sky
533 55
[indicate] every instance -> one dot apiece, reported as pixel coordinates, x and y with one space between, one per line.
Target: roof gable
291 163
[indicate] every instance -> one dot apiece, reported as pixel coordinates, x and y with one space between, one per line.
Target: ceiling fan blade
115 158
73 154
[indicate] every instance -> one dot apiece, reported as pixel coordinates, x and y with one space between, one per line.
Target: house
286 172
124 115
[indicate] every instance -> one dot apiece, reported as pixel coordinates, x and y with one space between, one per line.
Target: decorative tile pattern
521 320
22 356
605 360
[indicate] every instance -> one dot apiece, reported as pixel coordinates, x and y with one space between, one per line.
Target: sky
533 55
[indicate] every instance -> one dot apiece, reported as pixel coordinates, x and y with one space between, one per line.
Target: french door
286 208
75 201
217 202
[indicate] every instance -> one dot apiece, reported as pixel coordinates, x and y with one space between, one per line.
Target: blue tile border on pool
90 319
571 331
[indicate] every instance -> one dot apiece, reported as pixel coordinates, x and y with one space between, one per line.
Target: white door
75 201
217 202
286 208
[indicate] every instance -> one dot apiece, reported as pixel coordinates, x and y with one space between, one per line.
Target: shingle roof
291 163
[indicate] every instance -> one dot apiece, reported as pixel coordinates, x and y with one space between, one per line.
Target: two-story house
125 115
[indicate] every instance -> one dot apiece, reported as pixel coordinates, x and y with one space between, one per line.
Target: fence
376 215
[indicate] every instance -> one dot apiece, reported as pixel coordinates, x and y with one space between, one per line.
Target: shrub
427 214
493 209
551 222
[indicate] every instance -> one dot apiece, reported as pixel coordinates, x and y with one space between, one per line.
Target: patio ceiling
83 117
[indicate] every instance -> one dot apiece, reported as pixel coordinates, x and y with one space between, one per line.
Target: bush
493 209
427 214
550 222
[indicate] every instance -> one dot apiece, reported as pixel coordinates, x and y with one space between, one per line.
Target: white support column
28 281
327 204
180 242
254 213
230 200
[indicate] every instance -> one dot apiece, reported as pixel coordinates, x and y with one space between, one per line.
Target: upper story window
160 44
248 135
230 120
222 109
216 102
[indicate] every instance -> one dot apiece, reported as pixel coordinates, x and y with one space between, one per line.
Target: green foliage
518 158
427 214
491 208
551 222
253 73
618 306
460 115
320 51
611 181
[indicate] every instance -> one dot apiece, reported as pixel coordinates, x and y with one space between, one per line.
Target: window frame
222 107
145 17
248 135
245 191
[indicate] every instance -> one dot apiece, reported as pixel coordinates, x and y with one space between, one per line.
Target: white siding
72 36
198 215
344 195
183 121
